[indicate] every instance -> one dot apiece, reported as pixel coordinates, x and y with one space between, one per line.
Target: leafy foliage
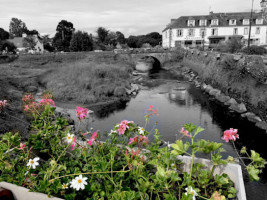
81 41
17 27
116 168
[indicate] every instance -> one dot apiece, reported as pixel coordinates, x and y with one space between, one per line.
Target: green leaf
179 148
253 173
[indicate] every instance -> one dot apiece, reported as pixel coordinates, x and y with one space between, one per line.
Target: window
258 30
232 22
202 33
245 31
235 31
166 34
259 21
179 33
191 32
245 21
214 31
191 23
215 22
202 22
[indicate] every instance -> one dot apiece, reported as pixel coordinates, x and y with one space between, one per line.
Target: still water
179 102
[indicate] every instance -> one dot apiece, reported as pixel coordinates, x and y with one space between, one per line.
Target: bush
230 46
254 50
9 45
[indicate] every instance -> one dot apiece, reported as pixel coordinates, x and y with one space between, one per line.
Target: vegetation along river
179 102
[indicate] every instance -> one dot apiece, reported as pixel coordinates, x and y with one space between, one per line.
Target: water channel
178 102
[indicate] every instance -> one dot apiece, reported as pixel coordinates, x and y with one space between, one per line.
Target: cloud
128 16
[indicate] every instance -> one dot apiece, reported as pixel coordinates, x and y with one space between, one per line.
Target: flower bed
77 165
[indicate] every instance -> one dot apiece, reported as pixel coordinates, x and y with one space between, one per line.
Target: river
178 102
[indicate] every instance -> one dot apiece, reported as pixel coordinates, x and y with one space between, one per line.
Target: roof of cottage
223 18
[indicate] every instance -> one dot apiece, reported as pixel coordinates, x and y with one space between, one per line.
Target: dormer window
215 22
202 22
245 21
259 21
232 22
191 23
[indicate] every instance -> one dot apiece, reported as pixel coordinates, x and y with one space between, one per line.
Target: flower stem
87 173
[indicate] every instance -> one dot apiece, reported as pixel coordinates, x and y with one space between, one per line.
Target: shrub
231 46
254 50
8 45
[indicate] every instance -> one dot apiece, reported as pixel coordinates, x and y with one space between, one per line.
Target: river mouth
178 102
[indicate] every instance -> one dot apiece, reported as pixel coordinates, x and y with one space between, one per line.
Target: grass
88 82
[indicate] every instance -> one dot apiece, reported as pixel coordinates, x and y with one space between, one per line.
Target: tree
120 37
102 34
4 35
81 41
32 32
17 27
63 36
29 42
132 41
111 38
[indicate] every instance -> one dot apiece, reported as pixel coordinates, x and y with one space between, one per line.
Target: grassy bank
84 77
89 82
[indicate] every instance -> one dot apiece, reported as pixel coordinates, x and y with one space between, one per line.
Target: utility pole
250 23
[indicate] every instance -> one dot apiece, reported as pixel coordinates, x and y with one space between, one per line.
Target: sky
131 17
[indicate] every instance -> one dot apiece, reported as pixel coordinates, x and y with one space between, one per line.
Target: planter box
233 170
21 193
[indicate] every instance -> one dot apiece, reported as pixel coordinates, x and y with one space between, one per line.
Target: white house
193 31
18 42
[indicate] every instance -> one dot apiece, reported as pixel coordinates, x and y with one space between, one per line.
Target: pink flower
28 98
230 134
26 107
92 139
22 146
81 113
152 111
47 102
123 126
73 144
185 132
3 104
131 141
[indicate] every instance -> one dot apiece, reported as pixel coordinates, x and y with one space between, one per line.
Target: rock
222 98
214 92
230 102
120 91
251 117
237 57
208 88
134 87
31 89
239 108
262 125
203 86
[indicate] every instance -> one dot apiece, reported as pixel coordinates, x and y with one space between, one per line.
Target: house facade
209 30
18 42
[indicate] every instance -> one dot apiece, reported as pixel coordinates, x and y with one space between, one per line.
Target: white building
192 31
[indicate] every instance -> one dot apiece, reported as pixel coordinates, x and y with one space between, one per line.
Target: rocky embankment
227 100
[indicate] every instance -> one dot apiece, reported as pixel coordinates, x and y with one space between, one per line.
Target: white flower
78 183
69 138
33 162
141 130
190 190
65 186
111 132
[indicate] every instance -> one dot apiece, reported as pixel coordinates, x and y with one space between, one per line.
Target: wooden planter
233 170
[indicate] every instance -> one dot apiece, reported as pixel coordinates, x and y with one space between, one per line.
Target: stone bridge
146 61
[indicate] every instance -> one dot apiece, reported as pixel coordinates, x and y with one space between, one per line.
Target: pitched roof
223 18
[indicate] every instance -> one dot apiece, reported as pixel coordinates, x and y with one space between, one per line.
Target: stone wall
241 77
